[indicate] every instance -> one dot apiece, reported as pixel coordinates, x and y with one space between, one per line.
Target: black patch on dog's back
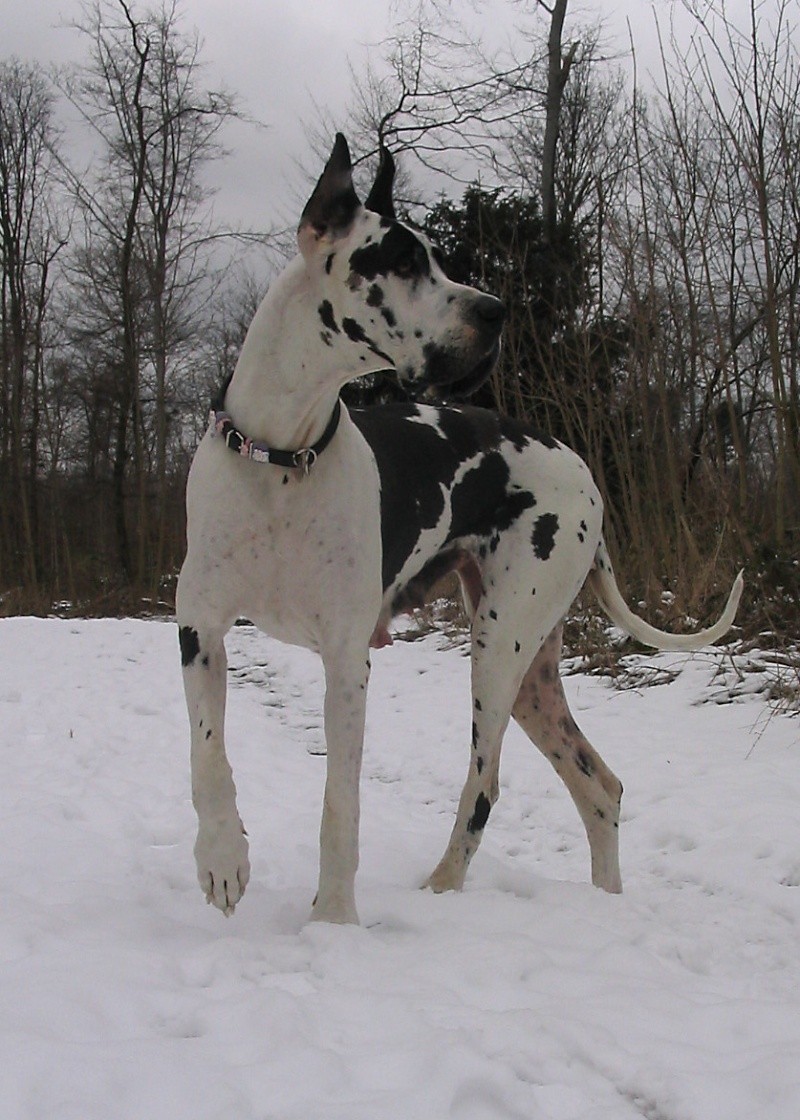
413 463
417 464
481 502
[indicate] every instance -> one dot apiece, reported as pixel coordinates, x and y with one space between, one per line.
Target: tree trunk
558 68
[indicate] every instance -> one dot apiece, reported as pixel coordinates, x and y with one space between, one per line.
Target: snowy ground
531 996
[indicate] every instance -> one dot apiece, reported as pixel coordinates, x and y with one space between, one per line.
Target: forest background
644 236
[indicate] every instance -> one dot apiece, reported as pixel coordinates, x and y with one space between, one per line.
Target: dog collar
302 459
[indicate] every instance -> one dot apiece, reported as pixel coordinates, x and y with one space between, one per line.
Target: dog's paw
223 867
446 877
337 909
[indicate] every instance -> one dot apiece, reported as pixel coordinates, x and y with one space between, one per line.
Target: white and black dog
325 523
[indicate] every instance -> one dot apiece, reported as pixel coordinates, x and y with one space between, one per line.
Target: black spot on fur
479 764
399 252
325 312
474 733
389 316
477 821
584 763
189 643
469 430
544 532
516 647
482 505
329 263
375 295
493 614
354 331
568 726
548 673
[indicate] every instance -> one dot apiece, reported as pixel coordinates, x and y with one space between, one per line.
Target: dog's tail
604 585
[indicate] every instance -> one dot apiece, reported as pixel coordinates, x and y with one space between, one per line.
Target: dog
319 525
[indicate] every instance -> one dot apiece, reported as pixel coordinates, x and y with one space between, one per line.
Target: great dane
319 524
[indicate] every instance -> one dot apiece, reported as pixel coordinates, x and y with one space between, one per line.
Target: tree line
647 244
109 326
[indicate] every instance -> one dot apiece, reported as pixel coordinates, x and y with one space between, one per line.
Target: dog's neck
287 380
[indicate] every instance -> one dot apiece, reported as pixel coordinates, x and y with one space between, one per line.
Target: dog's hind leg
223 867
542 712
492 700
508 627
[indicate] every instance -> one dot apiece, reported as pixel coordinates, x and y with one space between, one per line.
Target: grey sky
280 56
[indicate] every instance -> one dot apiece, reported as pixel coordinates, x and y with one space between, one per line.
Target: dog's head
383 288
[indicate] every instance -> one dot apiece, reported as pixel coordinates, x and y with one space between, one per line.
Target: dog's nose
488 314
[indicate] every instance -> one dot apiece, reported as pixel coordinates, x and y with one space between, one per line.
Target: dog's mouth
480 373
446 373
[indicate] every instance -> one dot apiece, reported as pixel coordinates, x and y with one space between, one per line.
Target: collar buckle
305 459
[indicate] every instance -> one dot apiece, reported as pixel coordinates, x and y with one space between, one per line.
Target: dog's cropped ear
330 211
379 199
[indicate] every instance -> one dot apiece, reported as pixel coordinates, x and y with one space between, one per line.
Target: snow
530 996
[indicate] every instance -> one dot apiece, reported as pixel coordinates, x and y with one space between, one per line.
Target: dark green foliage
554 337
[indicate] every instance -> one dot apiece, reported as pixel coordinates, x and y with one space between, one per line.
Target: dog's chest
287 554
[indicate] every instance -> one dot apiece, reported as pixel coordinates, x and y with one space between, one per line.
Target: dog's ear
379 199
333 205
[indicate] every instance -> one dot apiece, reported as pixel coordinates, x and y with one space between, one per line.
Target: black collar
302 459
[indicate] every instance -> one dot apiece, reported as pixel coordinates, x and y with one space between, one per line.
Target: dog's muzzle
487 314
461 371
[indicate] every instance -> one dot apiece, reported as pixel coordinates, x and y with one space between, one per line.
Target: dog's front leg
220 851
346 678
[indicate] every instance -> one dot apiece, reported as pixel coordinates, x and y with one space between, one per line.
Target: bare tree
434 92
718 213
748 76
145 259
29 244
559 65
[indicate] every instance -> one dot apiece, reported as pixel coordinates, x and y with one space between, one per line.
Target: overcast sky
279 56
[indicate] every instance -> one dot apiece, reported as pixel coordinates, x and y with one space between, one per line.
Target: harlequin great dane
325 523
